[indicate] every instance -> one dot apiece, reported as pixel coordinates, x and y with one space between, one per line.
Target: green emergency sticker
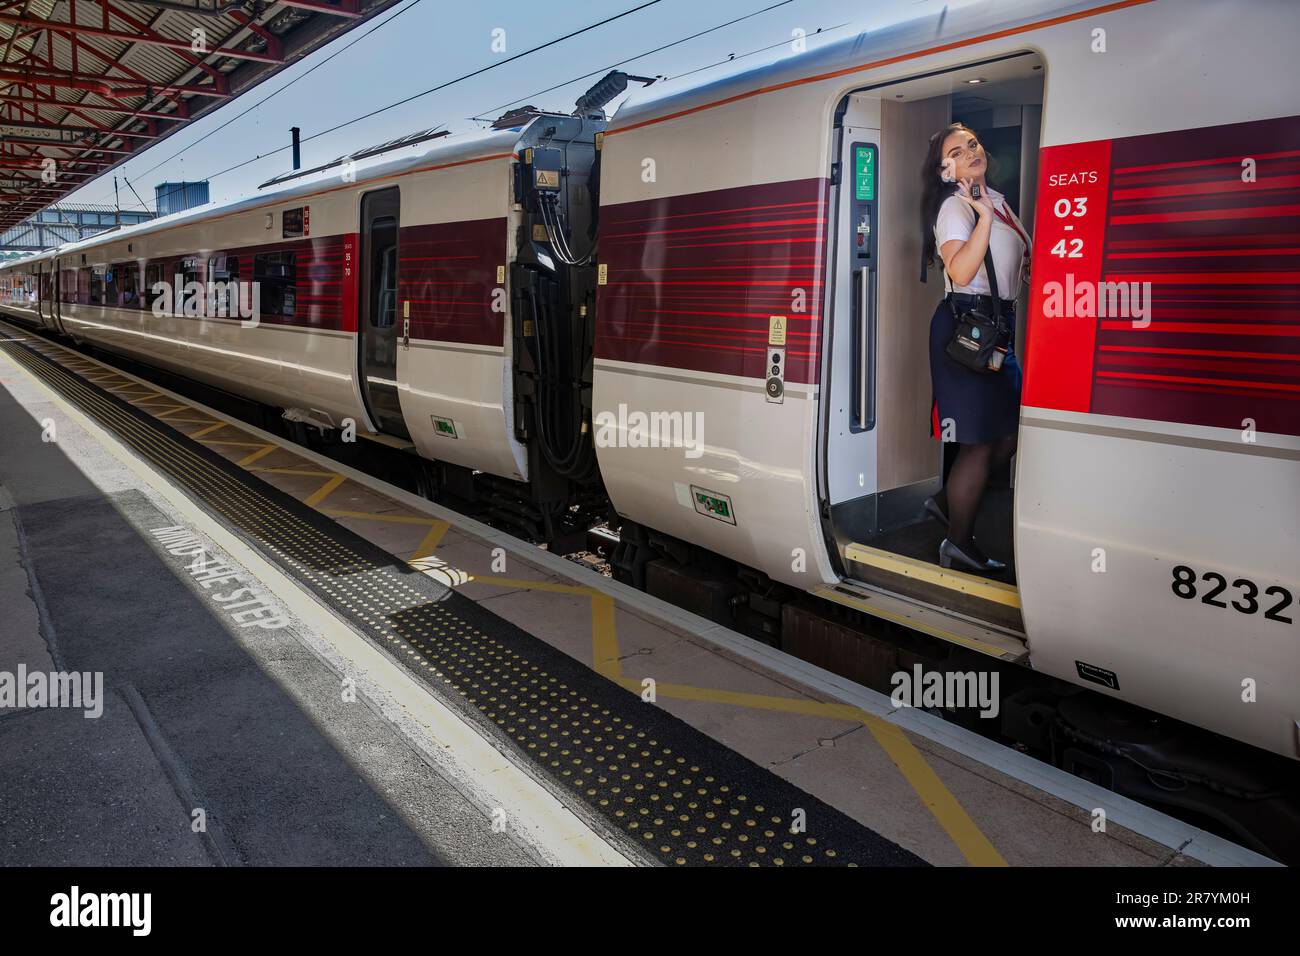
864 172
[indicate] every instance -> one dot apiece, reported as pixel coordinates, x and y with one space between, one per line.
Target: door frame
376 421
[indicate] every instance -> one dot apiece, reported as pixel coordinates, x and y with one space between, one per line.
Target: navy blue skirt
983 407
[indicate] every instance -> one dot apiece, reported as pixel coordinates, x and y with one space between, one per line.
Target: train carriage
380 292
762 249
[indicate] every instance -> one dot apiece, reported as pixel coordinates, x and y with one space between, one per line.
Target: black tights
961 496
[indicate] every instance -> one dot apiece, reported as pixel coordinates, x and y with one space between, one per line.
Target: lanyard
1010 221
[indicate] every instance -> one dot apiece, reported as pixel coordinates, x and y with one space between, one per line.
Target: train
699 322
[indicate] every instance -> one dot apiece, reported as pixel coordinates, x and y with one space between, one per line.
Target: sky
419 44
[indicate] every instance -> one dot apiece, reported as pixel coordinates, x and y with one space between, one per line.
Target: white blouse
956 220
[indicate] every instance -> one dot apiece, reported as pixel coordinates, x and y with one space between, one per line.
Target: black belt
982 303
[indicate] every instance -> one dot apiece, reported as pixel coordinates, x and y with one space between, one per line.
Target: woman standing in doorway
963 218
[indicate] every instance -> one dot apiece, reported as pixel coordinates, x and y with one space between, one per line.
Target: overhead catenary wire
763 49
434 89
484 115
819 32
316 66
490 66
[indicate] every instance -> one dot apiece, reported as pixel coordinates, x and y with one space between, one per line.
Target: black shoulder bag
979 342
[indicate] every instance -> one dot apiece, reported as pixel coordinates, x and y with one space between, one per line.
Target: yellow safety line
972 584
605 653
437 528
911 763
323 491
258 455
294 471
215 426
396 519
175 409
938 799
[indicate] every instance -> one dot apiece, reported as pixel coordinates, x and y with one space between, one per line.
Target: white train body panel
1109 555
468 382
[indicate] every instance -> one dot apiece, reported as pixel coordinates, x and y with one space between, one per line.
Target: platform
428 689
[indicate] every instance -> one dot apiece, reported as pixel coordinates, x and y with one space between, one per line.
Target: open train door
378 332
45 293
881 457
56 296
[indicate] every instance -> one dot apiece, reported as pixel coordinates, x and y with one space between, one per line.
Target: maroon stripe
450 294
693 280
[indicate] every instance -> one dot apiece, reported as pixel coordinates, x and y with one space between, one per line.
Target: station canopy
90 83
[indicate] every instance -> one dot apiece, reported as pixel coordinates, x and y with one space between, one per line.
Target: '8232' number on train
1245 594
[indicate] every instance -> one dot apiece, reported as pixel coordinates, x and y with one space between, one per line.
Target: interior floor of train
325 668
994 531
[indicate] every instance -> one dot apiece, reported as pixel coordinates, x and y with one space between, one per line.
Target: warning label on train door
776 330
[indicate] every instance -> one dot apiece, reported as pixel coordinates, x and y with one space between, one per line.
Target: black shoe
934 511
950 554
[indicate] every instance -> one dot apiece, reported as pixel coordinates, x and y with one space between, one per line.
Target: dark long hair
934 190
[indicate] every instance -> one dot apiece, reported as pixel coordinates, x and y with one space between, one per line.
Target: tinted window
127 274
277 275
225 300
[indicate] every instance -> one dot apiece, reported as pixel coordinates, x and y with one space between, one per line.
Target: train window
276 275
388 288
383 305
225 299
95 294
191 272
223 268
128 273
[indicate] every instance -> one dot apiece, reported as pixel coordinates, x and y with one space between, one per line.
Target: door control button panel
775 375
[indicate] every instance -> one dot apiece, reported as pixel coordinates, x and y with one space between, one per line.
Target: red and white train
745 250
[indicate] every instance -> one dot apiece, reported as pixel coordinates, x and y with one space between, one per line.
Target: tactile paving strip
670 792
